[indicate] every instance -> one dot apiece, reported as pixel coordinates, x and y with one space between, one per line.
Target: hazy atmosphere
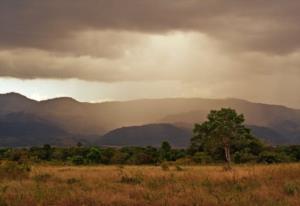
149 103
97 50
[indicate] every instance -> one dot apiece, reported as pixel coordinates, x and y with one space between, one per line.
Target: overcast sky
99 50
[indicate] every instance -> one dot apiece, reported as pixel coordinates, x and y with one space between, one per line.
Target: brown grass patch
255 185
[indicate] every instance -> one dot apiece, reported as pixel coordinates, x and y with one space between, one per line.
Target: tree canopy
224 131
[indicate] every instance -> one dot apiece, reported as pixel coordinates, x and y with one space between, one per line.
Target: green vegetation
224 132
151 155
222 138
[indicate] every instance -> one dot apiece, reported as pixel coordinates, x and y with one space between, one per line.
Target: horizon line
141 99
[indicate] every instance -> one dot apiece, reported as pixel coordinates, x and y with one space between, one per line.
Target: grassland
274 185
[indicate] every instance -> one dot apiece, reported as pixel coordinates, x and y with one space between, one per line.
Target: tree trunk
227 156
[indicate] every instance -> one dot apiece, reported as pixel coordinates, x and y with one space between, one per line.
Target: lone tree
223 129
165 151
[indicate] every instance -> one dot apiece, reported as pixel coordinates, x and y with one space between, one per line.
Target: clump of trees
222 138
223 135
80 155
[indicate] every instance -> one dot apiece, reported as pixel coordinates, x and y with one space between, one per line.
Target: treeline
222 138
80 155
147 155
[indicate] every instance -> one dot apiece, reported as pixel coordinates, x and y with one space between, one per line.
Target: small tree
94 155
78 160
223 128
165 151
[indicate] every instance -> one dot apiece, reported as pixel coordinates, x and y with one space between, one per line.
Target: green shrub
78 160
94 155
119 158
185 161
244 157
202 158
272 157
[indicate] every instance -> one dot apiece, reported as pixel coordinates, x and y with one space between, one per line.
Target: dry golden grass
276 185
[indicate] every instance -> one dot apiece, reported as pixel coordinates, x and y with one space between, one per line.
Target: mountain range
65 121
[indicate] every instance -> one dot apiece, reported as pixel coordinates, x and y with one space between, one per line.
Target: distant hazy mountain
178 135
270 135
277 124
19 130
153 134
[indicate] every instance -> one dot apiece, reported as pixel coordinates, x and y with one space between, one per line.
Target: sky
103 50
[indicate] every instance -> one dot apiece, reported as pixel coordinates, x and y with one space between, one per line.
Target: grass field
274 185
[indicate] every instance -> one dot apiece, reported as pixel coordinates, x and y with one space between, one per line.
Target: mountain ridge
97 119
142 99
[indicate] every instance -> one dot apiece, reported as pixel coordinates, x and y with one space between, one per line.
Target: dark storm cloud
259 25
241 48
215 42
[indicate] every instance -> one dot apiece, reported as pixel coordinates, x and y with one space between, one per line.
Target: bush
165 166
244 157
202 158
272 157
14 170
94 155
78 160
119 158
185 161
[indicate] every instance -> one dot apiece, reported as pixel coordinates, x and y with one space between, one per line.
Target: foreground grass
276 185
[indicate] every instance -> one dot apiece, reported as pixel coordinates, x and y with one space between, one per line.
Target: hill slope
153 134
21 130
85 119
177 135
